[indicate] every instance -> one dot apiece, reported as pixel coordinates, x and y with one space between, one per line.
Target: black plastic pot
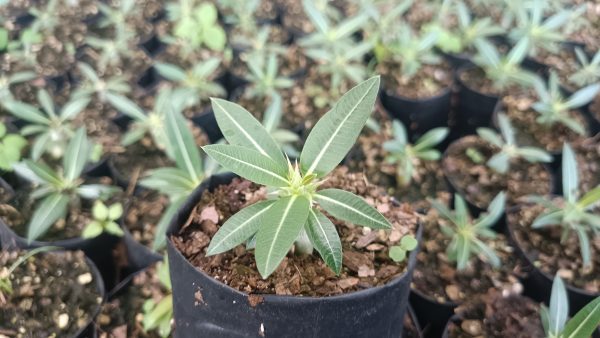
413 317
148 81
152 46
456 60
541 283
418 115
432 315
474 109
207 121
225 312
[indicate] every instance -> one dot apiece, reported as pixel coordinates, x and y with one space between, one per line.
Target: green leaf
249 164
100 211
240 128
169 181
348 207
397 253
460 211
506 128
26 112
431 138
409 242
93 229
126 106
534 155
42 172
569 174
590 198
399 132
239 227
216 39
170 72
76 155
48 211
283 223
463 252
114 229
273 114
336 132
518 53
96 191
499 162
182 142
559 307
115 211
582 96
46 102
584 245
488 253
160 238
584 322
324 237
443 210
495 211
490 136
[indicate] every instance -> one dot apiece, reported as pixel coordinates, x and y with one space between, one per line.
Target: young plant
180 181
111 51
283 137
263 77
11 147
197 25
509 150
503 71
589 70
46 19
573 213
53 129
403 154
117 18
105 220
398 252
57 189
555 319
554 108
194 85
292 215
468 236
159 315
7 80
104 89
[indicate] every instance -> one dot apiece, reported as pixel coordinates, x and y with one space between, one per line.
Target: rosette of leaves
45 19
52 128
573 213
588 71
116 18
509 150
105 219
263 76
553 107
104 89
111 51
195 84
292 216
404 155
57 189
468 235
555 318
196 25
383 17
159 315
11 148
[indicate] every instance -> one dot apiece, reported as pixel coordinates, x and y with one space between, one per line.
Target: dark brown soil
544 248
476 80
588 163
366 262
54 295
294 18
530 133
480 184
564 63
436 277
589 34
138 158
495 315
595 108
142 216
429 81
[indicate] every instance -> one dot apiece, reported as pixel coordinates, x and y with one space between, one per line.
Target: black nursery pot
432 315
538 285
225 312
207 121
418 115
474 108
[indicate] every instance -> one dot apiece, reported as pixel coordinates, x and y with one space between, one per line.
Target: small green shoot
398 253
105 220
11 148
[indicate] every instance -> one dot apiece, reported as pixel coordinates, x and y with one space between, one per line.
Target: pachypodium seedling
573 213
509 150
553 107
7 80
197 25
263 76
589 70
159 315
403 154
11 148
104 89
6 287
468 235
555 318
105 220
407 243
292 215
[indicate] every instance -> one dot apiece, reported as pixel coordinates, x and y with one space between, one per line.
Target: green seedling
272 120
197 24
263 77
589 70
159 315
105 89
11 148
398 253
474 155
105 220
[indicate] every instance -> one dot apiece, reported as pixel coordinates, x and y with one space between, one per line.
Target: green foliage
104 89
474 155
589 70
573 213
404 155
468 236
554 108
272 120
105 220
52 128
159 315
193 85
46 19
503 70
11 147
56 189
263 76
555 319
398 252
197 24
509 150
292 215
117 18
111 51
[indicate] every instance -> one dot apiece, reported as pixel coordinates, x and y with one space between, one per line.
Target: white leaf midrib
346 206
253 166
278 230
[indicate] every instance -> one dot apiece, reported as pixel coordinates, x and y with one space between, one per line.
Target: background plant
404 155
11 148
272 121
7 80
104 220
588 71
159 315
509 150
467 236
263 76
104 89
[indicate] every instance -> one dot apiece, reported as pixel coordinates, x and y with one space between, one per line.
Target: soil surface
366 262
141 217
588 163
476 80
595 108
429 81
530 133
495 315
54 295
545 249
437 278
480 184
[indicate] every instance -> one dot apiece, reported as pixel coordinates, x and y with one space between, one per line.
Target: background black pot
207 121
474 109
418 115
432 315
225 312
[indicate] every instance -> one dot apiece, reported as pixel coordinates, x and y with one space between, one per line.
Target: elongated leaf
282 224
249 164
316 17
74 107
569 174
431 138
170 72
48 211
462 252
181 142
239 228
489 254
324 237
77 154
499 162
350 208
590 198
460 211
26 112
495 211
273 114
490 136
42 172
583 96
443 210
169 181
46 102
584 322
584 245
240 128
559 307
336 132
96 191
506 128
399 132
126 106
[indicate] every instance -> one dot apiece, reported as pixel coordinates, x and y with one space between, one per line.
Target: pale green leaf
76 155
324 237
126 106
559 307
74 107
181 141
585 322
569 174
26 112
46 213
348 207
